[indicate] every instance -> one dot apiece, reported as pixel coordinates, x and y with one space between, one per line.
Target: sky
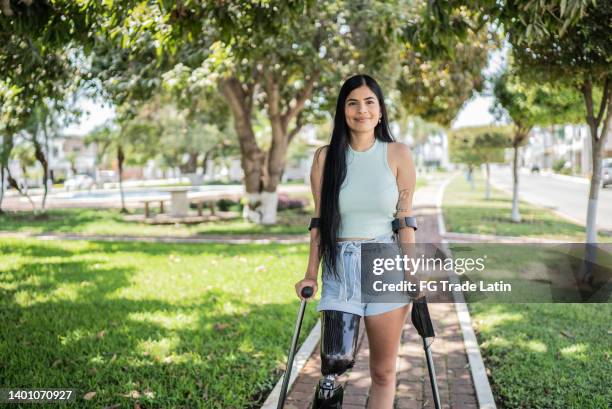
474 112
96 114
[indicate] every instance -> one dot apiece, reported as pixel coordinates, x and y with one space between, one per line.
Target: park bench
146 202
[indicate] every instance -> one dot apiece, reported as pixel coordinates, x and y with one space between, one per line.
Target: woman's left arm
406 184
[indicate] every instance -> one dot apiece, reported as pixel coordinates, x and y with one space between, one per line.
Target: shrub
226 204
285 202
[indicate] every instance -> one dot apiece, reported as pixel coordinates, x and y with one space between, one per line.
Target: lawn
467 211
537 355
110 222
167 325
546 355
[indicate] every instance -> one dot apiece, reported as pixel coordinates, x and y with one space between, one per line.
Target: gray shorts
343 293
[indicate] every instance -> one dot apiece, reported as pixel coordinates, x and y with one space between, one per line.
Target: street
564 195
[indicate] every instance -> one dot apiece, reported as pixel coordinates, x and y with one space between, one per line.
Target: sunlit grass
546 355
199 326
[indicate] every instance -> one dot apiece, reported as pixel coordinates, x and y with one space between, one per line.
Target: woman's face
362 110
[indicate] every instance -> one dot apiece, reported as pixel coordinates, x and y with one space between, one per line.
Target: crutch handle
307 292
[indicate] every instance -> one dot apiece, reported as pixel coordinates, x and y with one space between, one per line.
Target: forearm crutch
306 293
422 322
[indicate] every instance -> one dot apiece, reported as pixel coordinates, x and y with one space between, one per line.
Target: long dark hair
334 171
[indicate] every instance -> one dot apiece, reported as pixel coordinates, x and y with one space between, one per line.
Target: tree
435 86
11 117
563 42
110 138
302 52
37 65
23 154
479 145
528 105
568 42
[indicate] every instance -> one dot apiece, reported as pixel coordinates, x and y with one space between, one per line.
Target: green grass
539 355
110 222
197 326
467 211
534 365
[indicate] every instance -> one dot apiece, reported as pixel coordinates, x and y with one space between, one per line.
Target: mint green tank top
369 194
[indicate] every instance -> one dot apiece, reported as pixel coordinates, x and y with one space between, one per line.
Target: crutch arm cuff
403 222
314 223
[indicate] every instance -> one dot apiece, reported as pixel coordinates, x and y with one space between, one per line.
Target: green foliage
564 41
478 145
436 87
529 104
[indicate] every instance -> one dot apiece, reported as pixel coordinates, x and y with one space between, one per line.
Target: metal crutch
306 293
422 322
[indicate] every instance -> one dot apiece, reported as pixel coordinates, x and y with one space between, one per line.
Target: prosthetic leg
339 332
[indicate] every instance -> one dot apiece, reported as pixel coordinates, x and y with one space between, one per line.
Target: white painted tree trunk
516 215
488 187
269 204
252 209
591 220
2 185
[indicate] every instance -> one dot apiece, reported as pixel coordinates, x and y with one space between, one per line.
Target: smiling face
362 110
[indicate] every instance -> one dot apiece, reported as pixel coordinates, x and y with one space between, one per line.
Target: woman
360 182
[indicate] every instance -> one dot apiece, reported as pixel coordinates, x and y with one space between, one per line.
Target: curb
576 179
484 394
298 363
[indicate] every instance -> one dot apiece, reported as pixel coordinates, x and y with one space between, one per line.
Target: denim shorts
343 293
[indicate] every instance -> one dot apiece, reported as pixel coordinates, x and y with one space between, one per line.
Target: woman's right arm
316 178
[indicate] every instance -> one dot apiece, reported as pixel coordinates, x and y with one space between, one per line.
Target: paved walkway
413 388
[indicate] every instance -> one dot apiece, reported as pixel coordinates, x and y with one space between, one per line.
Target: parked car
535 168
78 182
606 172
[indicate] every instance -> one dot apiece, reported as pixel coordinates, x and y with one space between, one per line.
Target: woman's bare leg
384 332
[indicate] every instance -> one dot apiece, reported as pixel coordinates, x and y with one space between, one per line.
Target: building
570 143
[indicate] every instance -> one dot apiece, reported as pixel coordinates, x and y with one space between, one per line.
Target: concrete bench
146 202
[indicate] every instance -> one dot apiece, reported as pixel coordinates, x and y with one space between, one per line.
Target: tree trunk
5 153
516 216
192 163
13 183
42 159
2 187
488 185
598 141
251 157
120 159
205 159
262 171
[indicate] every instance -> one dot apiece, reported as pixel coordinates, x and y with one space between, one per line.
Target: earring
379 119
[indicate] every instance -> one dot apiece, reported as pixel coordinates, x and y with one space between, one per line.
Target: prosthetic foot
339 332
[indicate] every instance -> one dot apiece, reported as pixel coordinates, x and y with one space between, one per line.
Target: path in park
413 389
